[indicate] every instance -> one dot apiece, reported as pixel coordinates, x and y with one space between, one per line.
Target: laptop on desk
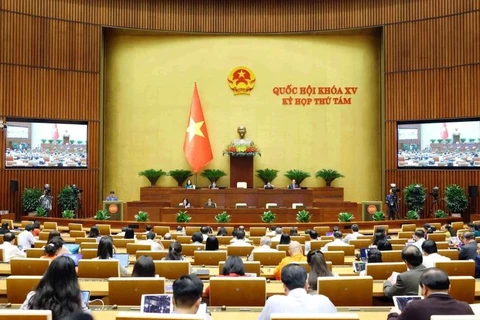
123 259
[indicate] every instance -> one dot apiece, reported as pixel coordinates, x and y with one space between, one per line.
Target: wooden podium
115 209
241 170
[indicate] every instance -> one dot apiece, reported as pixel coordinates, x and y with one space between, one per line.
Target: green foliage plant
268 216
213 175
180 175
415 197
303 216
141 216
267 175
223 217
68 214
378 216
152 175
345 217
329 175
101 215
182 216
31 199
68 199
455 199
297 175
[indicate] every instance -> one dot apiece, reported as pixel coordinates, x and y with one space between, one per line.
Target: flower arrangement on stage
242 150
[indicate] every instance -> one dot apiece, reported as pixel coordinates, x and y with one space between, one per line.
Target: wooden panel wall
50 67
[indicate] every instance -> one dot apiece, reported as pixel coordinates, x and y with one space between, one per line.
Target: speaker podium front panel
114 209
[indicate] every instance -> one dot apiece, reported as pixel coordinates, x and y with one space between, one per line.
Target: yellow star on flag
194 128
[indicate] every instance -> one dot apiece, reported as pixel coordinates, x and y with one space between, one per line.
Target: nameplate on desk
203 272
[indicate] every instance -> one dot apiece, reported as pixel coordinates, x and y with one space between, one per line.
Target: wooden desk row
100 288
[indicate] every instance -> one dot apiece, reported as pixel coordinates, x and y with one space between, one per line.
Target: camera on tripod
76 190
394 188
435 193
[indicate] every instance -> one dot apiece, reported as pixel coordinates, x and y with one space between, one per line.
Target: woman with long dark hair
233 267
284 239
144 267
53 248
94 232
318 268
174 252
211 244
58 291
105 252
5 228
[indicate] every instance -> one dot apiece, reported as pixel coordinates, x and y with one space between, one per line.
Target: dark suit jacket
293 186
406 285
468 251
434 304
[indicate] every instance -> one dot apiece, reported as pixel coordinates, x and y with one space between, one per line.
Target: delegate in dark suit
435 286
469 249
407 282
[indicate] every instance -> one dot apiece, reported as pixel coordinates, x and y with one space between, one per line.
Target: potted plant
412 215
79 141
268 216
378 216
182 216
448 140
415 196
267 175
455 198
141 216
43 140
303 216
31 199
180 175
213 175
68 199
223 217
471 140
68 214
41 212
59 141
101 215
345 217
432 140
440 214
439 140
152 175
463 140
50 141
72 141
297 175
328 175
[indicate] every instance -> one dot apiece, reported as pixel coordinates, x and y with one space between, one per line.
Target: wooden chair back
26 314
129 315
442 245
82 240
360 243
322 230
166 243
250 267
10 223
156 255
75 226
307 267
255 240
457 268
397 246
269 258
190 230
189 249
77 234
43 236
1 254
348 250
88 245
410 227
224 291
135 287
462 288
161 230
132 248
35 252
257 231
317 245
224 240
383 226
184 239
28 266
50 225
241 251
383 270
143 236
457 225
405 234
19 286
300 239
88 268
89 253
40 244
436 236
347 290
437 225
209 258
452 254
317 316
401 241
329 238
122 243
336 257
104 229
392 256
172 269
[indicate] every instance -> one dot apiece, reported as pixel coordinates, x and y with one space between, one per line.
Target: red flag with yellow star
197 144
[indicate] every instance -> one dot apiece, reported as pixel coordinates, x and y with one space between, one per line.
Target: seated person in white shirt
278 234
430 255
26 239
204 230
10 250
353 235
155 244
240 239
265 243
313 237
337 241
296 300
419 237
